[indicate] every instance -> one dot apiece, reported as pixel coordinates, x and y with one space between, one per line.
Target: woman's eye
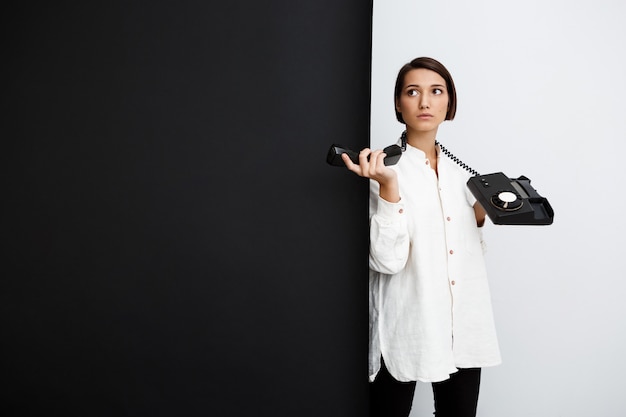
412 93
437 91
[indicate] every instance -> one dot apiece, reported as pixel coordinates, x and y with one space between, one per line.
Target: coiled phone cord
446 152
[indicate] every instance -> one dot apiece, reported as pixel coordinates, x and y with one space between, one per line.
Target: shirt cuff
389 210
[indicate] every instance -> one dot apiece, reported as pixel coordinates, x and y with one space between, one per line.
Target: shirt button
451 252
453 282
448 218
401 211
427 162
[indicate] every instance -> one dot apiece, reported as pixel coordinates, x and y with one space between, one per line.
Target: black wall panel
174 243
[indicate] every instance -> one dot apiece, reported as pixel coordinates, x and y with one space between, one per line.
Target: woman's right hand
374 168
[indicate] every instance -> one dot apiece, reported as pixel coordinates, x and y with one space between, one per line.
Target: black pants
454 397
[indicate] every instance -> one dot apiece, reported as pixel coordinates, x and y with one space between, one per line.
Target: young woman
430 308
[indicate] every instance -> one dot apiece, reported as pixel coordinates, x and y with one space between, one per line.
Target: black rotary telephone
507 201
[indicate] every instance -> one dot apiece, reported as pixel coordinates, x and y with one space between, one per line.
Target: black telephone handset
507 201
393 154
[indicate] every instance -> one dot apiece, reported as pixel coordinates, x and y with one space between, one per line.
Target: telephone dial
511 201
507 201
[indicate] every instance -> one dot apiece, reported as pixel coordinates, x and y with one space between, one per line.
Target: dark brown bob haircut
433 65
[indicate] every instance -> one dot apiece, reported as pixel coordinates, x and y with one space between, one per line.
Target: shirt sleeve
471 200
389 236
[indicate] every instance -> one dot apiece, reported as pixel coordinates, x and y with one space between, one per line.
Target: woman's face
423 100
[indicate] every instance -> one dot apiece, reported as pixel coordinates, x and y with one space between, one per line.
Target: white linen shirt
430 306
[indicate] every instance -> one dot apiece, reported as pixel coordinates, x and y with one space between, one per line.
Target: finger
376 163
364 157
346 159
351 165
380 161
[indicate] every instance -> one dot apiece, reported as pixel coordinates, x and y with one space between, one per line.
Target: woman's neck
424 141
